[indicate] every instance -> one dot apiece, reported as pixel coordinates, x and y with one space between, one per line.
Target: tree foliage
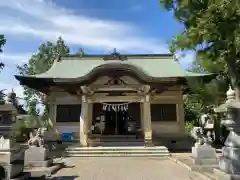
202 94
211 27
2 43
39 63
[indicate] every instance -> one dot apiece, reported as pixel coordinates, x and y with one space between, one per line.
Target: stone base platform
189 164
22 176
36 172
46 163
224 176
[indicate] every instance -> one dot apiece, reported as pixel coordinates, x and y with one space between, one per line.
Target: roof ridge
129 55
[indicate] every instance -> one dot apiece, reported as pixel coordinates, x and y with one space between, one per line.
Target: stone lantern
229 162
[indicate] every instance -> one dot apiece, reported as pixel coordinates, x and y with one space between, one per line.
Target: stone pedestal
229 162
38 162
204 157
37 157
12 160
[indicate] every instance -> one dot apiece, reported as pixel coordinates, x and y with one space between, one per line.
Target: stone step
126 148
116 151
114 136
109 144
115 140
117 155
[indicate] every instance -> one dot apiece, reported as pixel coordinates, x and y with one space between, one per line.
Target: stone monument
207 122
37 157
229 162
203 155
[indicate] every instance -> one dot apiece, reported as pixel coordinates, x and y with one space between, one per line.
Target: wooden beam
116 99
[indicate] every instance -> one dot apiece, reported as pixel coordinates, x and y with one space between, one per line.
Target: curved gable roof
156 66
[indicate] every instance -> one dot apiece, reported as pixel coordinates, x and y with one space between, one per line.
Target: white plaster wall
67 129
65 98
159 128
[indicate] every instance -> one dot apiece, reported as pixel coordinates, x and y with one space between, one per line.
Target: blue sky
130 26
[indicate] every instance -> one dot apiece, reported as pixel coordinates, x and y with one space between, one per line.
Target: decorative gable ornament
115 81
115 56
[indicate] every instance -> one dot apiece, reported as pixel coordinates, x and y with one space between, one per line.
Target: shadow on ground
64 178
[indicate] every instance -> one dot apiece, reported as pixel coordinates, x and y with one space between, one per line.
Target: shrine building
101 95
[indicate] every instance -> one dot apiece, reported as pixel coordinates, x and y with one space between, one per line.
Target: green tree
203 94
2 96
80 52
2 43
211 28
39 63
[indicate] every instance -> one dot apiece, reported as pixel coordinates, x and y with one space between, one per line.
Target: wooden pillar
147 121
142 118
84 121
90 116
54 133
53 112
180 114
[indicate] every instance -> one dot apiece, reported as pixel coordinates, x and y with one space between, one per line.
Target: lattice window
163 112
68 113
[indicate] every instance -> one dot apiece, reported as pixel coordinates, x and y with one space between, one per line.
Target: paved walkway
122 168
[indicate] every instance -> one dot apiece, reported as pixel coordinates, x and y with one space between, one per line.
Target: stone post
84 121
229 163
147 125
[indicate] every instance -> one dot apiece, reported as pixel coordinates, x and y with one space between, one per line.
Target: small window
68 113
163 112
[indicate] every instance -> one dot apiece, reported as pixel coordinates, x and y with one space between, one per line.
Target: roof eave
40 84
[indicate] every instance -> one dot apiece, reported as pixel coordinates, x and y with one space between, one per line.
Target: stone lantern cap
231 102
235 104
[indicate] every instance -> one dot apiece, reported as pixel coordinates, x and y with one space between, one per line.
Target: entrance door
110 122
116 122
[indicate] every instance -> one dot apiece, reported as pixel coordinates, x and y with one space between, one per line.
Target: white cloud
15 58
186 58
50 21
